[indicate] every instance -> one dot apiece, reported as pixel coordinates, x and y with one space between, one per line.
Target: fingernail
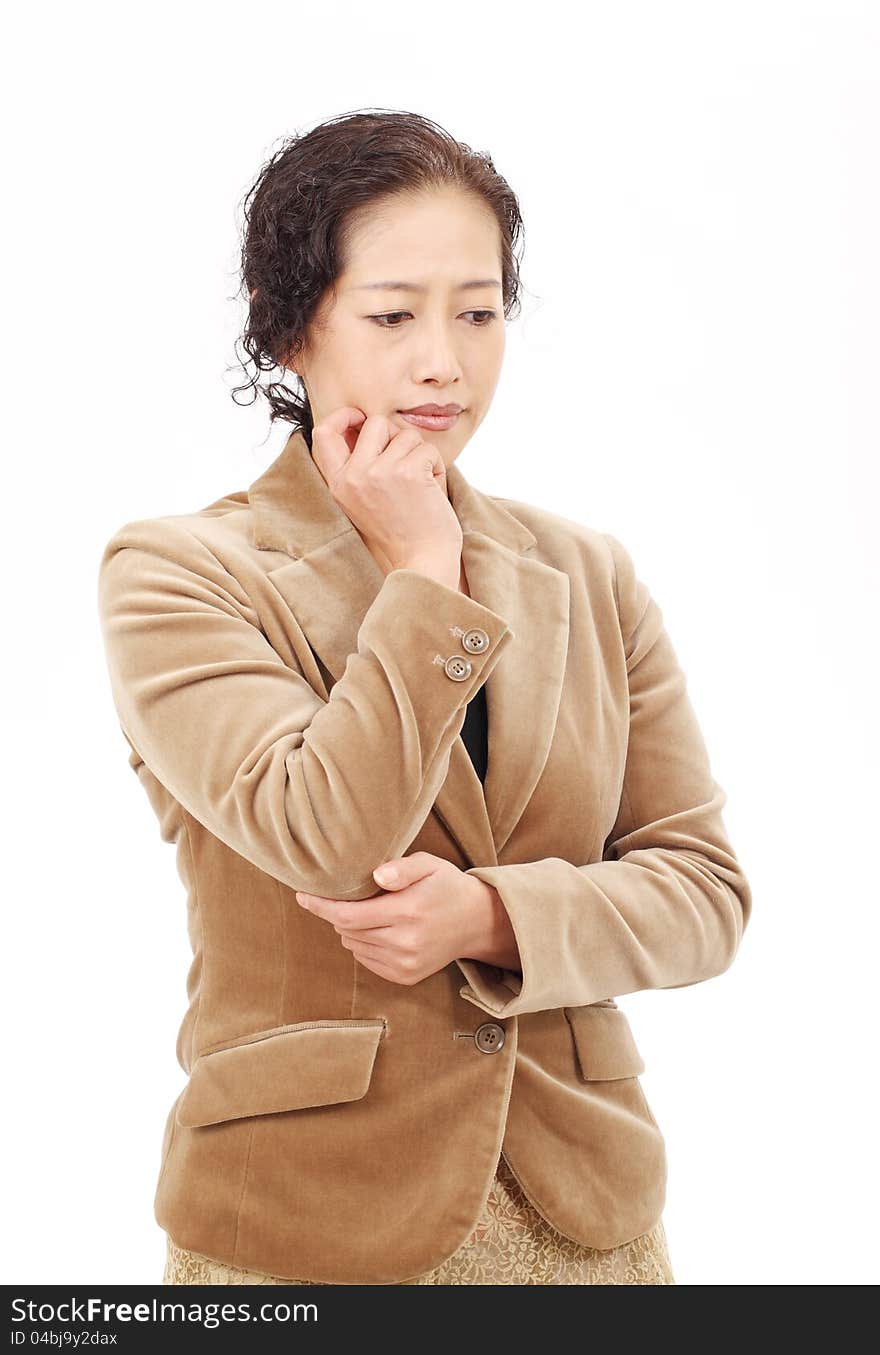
386 875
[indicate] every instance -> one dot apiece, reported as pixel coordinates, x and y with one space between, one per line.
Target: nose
436 358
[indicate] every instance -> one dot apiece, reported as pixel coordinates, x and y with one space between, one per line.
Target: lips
437 423
437 411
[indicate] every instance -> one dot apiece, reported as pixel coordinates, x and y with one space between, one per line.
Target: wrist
494 940
441 570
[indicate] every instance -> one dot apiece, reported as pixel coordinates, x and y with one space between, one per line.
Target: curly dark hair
298 216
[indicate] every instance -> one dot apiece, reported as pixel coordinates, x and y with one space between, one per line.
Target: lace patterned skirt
511 1244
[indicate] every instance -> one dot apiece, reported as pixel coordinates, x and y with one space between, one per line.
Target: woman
364 663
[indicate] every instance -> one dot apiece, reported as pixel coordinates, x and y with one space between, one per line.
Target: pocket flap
312 1063
604 1042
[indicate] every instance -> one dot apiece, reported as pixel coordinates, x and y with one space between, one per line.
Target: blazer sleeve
667 905
316 793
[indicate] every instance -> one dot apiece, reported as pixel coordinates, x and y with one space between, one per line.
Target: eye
488 317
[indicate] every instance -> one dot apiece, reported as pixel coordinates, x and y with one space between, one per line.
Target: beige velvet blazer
294 716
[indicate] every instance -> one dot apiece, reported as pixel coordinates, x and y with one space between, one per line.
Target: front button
489 1037
475 641
458 668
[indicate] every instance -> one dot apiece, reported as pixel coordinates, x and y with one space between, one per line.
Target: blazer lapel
331 580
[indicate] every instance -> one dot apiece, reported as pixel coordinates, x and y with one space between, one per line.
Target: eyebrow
417 287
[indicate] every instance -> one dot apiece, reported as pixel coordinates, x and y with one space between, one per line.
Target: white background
695 370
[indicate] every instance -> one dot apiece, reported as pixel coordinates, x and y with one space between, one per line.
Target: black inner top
475 732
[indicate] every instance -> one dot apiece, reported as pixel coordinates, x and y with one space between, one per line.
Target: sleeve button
458 668
475 641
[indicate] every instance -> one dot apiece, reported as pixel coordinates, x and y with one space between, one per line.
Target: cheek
493 359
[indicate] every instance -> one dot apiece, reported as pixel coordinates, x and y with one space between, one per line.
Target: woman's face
401 328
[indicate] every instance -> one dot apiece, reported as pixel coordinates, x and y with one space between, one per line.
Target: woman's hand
391 484
433 913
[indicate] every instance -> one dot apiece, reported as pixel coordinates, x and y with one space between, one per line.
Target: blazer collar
330 580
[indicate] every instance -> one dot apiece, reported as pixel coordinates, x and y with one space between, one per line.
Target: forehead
447 240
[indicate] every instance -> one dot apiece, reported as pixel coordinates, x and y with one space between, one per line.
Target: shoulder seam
242 597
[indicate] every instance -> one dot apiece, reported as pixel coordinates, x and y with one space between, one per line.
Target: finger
349 914
332 439
376 438
401 872
371 948
385 971
376 967
372 936
321 907
379 930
